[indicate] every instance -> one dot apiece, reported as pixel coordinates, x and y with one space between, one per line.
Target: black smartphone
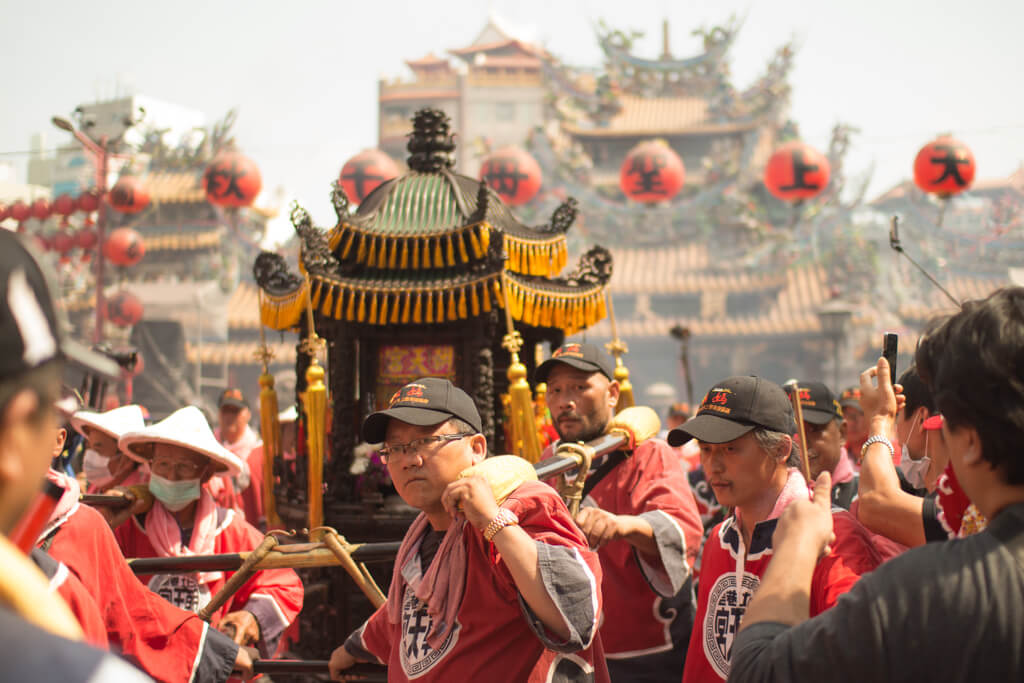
890 347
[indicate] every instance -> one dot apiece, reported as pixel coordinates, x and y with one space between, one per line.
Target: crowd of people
880 539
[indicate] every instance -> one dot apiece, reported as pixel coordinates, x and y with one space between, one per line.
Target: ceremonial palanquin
413 283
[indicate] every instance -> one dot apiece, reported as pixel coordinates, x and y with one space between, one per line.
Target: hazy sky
303 74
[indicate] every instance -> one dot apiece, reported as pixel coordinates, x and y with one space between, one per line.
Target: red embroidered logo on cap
716 401
233 393
568 350
410 393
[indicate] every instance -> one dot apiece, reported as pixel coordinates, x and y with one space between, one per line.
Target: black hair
917 392
44 381
973 362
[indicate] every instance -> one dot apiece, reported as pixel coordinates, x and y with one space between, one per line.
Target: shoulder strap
610 463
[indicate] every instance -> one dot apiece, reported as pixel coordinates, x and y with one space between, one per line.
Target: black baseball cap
734 407
587 357
850 398
427 401
31 327
232 397
817 403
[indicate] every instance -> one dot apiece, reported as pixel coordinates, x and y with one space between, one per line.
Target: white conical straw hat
186 428
113 423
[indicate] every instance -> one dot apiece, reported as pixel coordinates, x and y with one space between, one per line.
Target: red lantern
513 174
86 239
20 211
40 209
652 172
88 201
796 171
232 180
124 247
63 241
129 195
944 166
64 205
124 309
365 172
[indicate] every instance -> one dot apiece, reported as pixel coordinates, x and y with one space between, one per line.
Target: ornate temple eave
703 129
410 251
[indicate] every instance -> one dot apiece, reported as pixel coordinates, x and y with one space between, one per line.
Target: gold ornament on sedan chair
618 349
523 426
314 404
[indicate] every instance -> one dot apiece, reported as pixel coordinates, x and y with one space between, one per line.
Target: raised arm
884 507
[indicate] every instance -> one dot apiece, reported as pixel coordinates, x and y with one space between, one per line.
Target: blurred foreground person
482 590
960 603
640 516
40 633
744 427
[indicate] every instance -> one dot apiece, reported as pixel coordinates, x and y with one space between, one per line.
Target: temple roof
644 116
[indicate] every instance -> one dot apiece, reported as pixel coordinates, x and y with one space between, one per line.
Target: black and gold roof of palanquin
433 246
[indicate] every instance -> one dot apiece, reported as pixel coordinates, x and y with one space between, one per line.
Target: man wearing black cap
823 427
483 589
38 630
639 513
855 425
951 612
744 428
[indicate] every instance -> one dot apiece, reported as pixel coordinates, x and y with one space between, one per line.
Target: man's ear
972 447
842 429
613 393
478 445
785 448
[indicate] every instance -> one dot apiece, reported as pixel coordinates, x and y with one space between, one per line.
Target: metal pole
102 160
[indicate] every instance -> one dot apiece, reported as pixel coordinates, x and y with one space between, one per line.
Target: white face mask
96 468
915 470
175 495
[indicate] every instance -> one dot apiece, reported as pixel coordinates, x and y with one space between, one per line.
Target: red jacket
273 596
167 643
494 639
725 562
638 594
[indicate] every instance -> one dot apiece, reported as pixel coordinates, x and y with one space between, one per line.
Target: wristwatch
504 518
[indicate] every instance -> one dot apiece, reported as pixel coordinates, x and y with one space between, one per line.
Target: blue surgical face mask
175 495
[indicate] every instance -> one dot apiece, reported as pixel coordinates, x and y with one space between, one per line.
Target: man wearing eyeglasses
482 590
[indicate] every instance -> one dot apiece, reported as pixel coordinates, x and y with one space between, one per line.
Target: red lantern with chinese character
513 174
88 201
365 172
232 180
945 166
652 172
63 242
129 195
64 206
796 171
124 309
86 239
124 247
40 209
20 211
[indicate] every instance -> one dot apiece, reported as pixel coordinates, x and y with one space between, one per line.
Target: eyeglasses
417 445
181 470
